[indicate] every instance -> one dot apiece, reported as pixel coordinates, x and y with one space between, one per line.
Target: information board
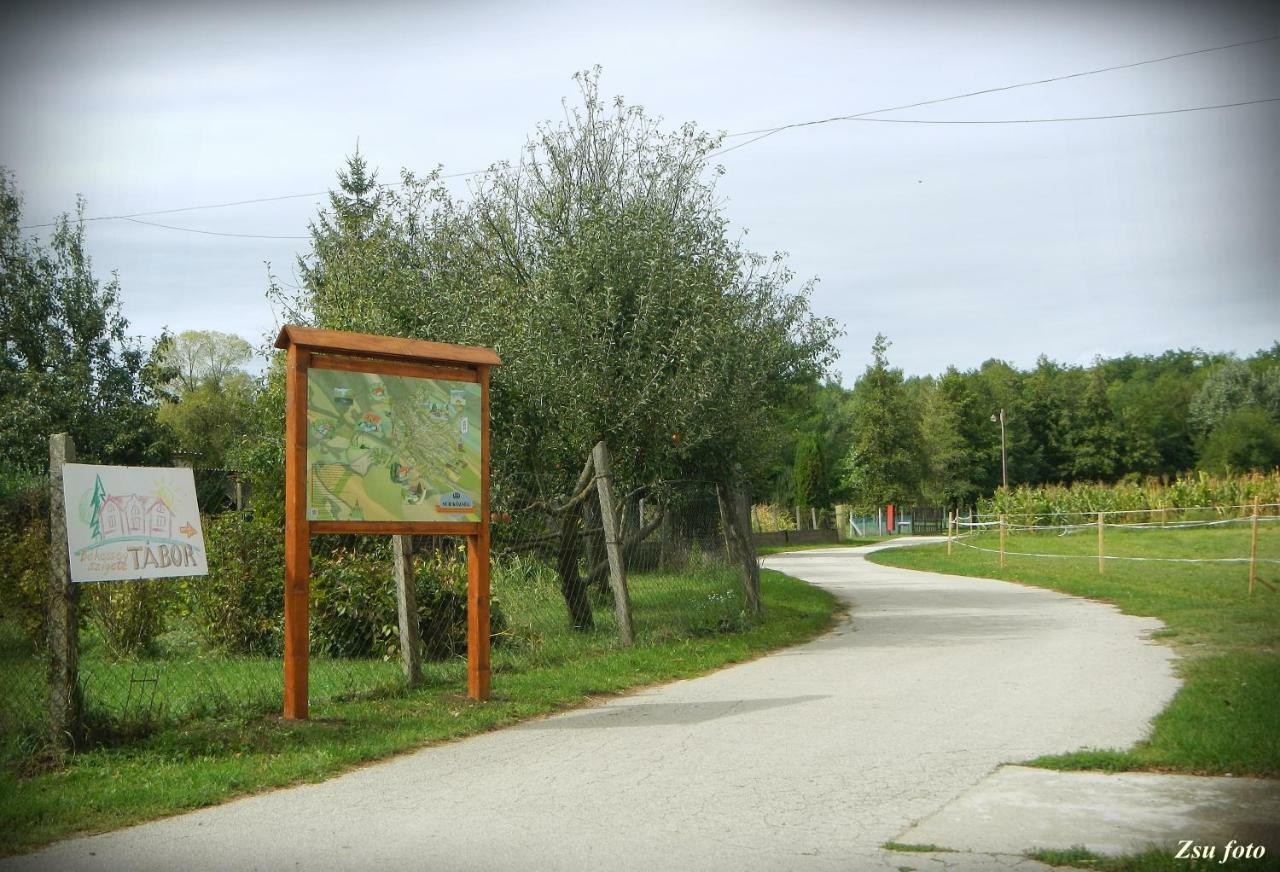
129 522
386 447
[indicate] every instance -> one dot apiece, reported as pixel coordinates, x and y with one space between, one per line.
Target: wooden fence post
407 610
1253 549
612 542
66 702
1101 554
950 521
1002 541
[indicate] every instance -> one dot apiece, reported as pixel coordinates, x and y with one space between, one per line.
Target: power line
766 132
763 133
134 215
208 232
1066 118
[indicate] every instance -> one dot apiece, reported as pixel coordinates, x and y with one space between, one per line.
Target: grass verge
1223 720
206 761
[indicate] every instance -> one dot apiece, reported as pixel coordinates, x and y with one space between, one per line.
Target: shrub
129 615
239 607
24 555
354 612
24 579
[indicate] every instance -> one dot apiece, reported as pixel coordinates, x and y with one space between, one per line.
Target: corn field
1048 504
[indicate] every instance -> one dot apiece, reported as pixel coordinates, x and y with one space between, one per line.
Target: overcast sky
960 242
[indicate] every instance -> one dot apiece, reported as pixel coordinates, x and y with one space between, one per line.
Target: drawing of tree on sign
99 497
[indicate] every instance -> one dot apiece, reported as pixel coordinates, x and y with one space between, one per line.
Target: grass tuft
908 848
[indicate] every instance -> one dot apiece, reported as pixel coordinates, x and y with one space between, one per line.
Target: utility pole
1004 458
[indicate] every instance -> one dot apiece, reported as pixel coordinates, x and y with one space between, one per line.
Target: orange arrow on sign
187 530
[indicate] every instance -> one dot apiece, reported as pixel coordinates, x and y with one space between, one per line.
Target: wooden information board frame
312 348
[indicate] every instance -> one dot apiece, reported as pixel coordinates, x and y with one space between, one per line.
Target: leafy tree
67 362
1248 438
810 473
205 357
885 464
1095 439
949 460
210 394
1232 385
601 269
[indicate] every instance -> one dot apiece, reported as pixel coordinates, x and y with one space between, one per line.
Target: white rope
1008 553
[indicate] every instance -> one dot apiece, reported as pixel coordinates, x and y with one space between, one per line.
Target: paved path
809 759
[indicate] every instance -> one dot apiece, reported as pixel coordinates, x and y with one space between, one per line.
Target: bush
24 579
129 615
24 555
354 611
239 607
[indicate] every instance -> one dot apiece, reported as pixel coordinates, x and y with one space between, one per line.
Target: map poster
386 447
126 522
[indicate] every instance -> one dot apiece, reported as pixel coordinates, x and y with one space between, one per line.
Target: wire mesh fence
567 572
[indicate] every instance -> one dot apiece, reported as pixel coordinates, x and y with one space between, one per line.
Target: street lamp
1004 461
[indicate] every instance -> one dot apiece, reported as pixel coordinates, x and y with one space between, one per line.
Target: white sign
127 522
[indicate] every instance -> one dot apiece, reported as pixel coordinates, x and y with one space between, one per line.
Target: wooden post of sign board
478 672
407 610
66 704
297 537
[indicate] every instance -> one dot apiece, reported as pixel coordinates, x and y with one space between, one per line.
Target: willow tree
601 269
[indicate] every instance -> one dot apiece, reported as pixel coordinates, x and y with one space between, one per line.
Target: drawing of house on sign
135 515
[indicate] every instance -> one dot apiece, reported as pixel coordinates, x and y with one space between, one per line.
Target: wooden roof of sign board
384 347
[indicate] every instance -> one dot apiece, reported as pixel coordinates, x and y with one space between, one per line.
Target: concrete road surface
809 759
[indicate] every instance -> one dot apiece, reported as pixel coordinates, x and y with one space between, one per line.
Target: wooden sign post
380 439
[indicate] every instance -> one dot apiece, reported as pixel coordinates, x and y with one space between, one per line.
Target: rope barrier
1008 553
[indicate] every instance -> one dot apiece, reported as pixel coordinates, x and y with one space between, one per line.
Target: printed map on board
391 448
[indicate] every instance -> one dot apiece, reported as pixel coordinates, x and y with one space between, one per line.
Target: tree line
937 439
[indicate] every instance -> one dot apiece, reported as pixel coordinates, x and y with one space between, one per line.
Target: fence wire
159 652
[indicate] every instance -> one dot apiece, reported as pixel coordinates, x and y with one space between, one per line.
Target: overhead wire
209 232
1065 118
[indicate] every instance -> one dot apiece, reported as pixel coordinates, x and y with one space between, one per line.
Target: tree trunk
593 544
572 586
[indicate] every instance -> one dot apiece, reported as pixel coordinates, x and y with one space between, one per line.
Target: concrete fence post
66 702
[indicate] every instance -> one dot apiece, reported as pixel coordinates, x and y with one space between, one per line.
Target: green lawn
1225 718
686 625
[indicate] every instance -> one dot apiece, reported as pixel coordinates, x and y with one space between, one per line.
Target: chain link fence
670 560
